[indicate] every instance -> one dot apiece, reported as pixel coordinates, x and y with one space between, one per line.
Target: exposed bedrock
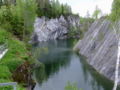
51 29
99 45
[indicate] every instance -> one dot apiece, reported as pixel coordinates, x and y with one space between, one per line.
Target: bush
71 87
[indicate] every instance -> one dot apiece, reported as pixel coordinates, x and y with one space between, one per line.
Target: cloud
82 6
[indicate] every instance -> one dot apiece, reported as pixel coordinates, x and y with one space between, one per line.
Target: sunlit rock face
99 45
3 51
51 29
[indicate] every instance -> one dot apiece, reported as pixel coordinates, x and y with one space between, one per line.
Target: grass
16 55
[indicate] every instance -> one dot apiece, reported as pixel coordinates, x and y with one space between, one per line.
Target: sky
82 6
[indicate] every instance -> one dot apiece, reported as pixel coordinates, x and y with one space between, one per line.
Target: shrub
71 87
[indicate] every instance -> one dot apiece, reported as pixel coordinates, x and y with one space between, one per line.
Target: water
62 65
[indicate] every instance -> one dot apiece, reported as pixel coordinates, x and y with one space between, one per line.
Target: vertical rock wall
99 45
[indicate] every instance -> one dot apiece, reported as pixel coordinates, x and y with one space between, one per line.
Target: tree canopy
96 13
115 15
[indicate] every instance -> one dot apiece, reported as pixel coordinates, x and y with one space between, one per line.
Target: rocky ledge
99 45
51 29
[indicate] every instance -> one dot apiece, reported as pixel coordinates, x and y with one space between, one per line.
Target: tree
59 9
52 8
96 13
115 10
1 3
42 3
67 9
27 11
43 8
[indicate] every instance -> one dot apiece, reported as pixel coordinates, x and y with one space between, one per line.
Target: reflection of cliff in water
97 81
39 73
61 65
54 55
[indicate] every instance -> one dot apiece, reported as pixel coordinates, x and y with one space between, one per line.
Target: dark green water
62 65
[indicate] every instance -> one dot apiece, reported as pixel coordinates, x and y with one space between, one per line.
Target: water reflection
62 65
98 82
39 73
54 55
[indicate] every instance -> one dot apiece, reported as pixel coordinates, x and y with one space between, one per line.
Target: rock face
99 45
51 29
3 51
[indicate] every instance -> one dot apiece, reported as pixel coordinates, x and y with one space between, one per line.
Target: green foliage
79 31
52 9
17 51
2 80
17 54
72 31
10 21
19 18
3 36
58 9
71 87
115 15
17 22
84 20
19 87
4 72
96 13
27 11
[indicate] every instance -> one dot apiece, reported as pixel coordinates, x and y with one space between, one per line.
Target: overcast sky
82 6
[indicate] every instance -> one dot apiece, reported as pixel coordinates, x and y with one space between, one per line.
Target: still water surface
62 65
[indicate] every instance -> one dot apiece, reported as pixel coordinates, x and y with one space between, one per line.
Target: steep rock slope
99 45
51 29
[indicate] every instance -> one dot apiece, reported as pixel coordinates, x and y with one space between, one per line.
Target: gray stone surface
99 45
3 51
51 29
